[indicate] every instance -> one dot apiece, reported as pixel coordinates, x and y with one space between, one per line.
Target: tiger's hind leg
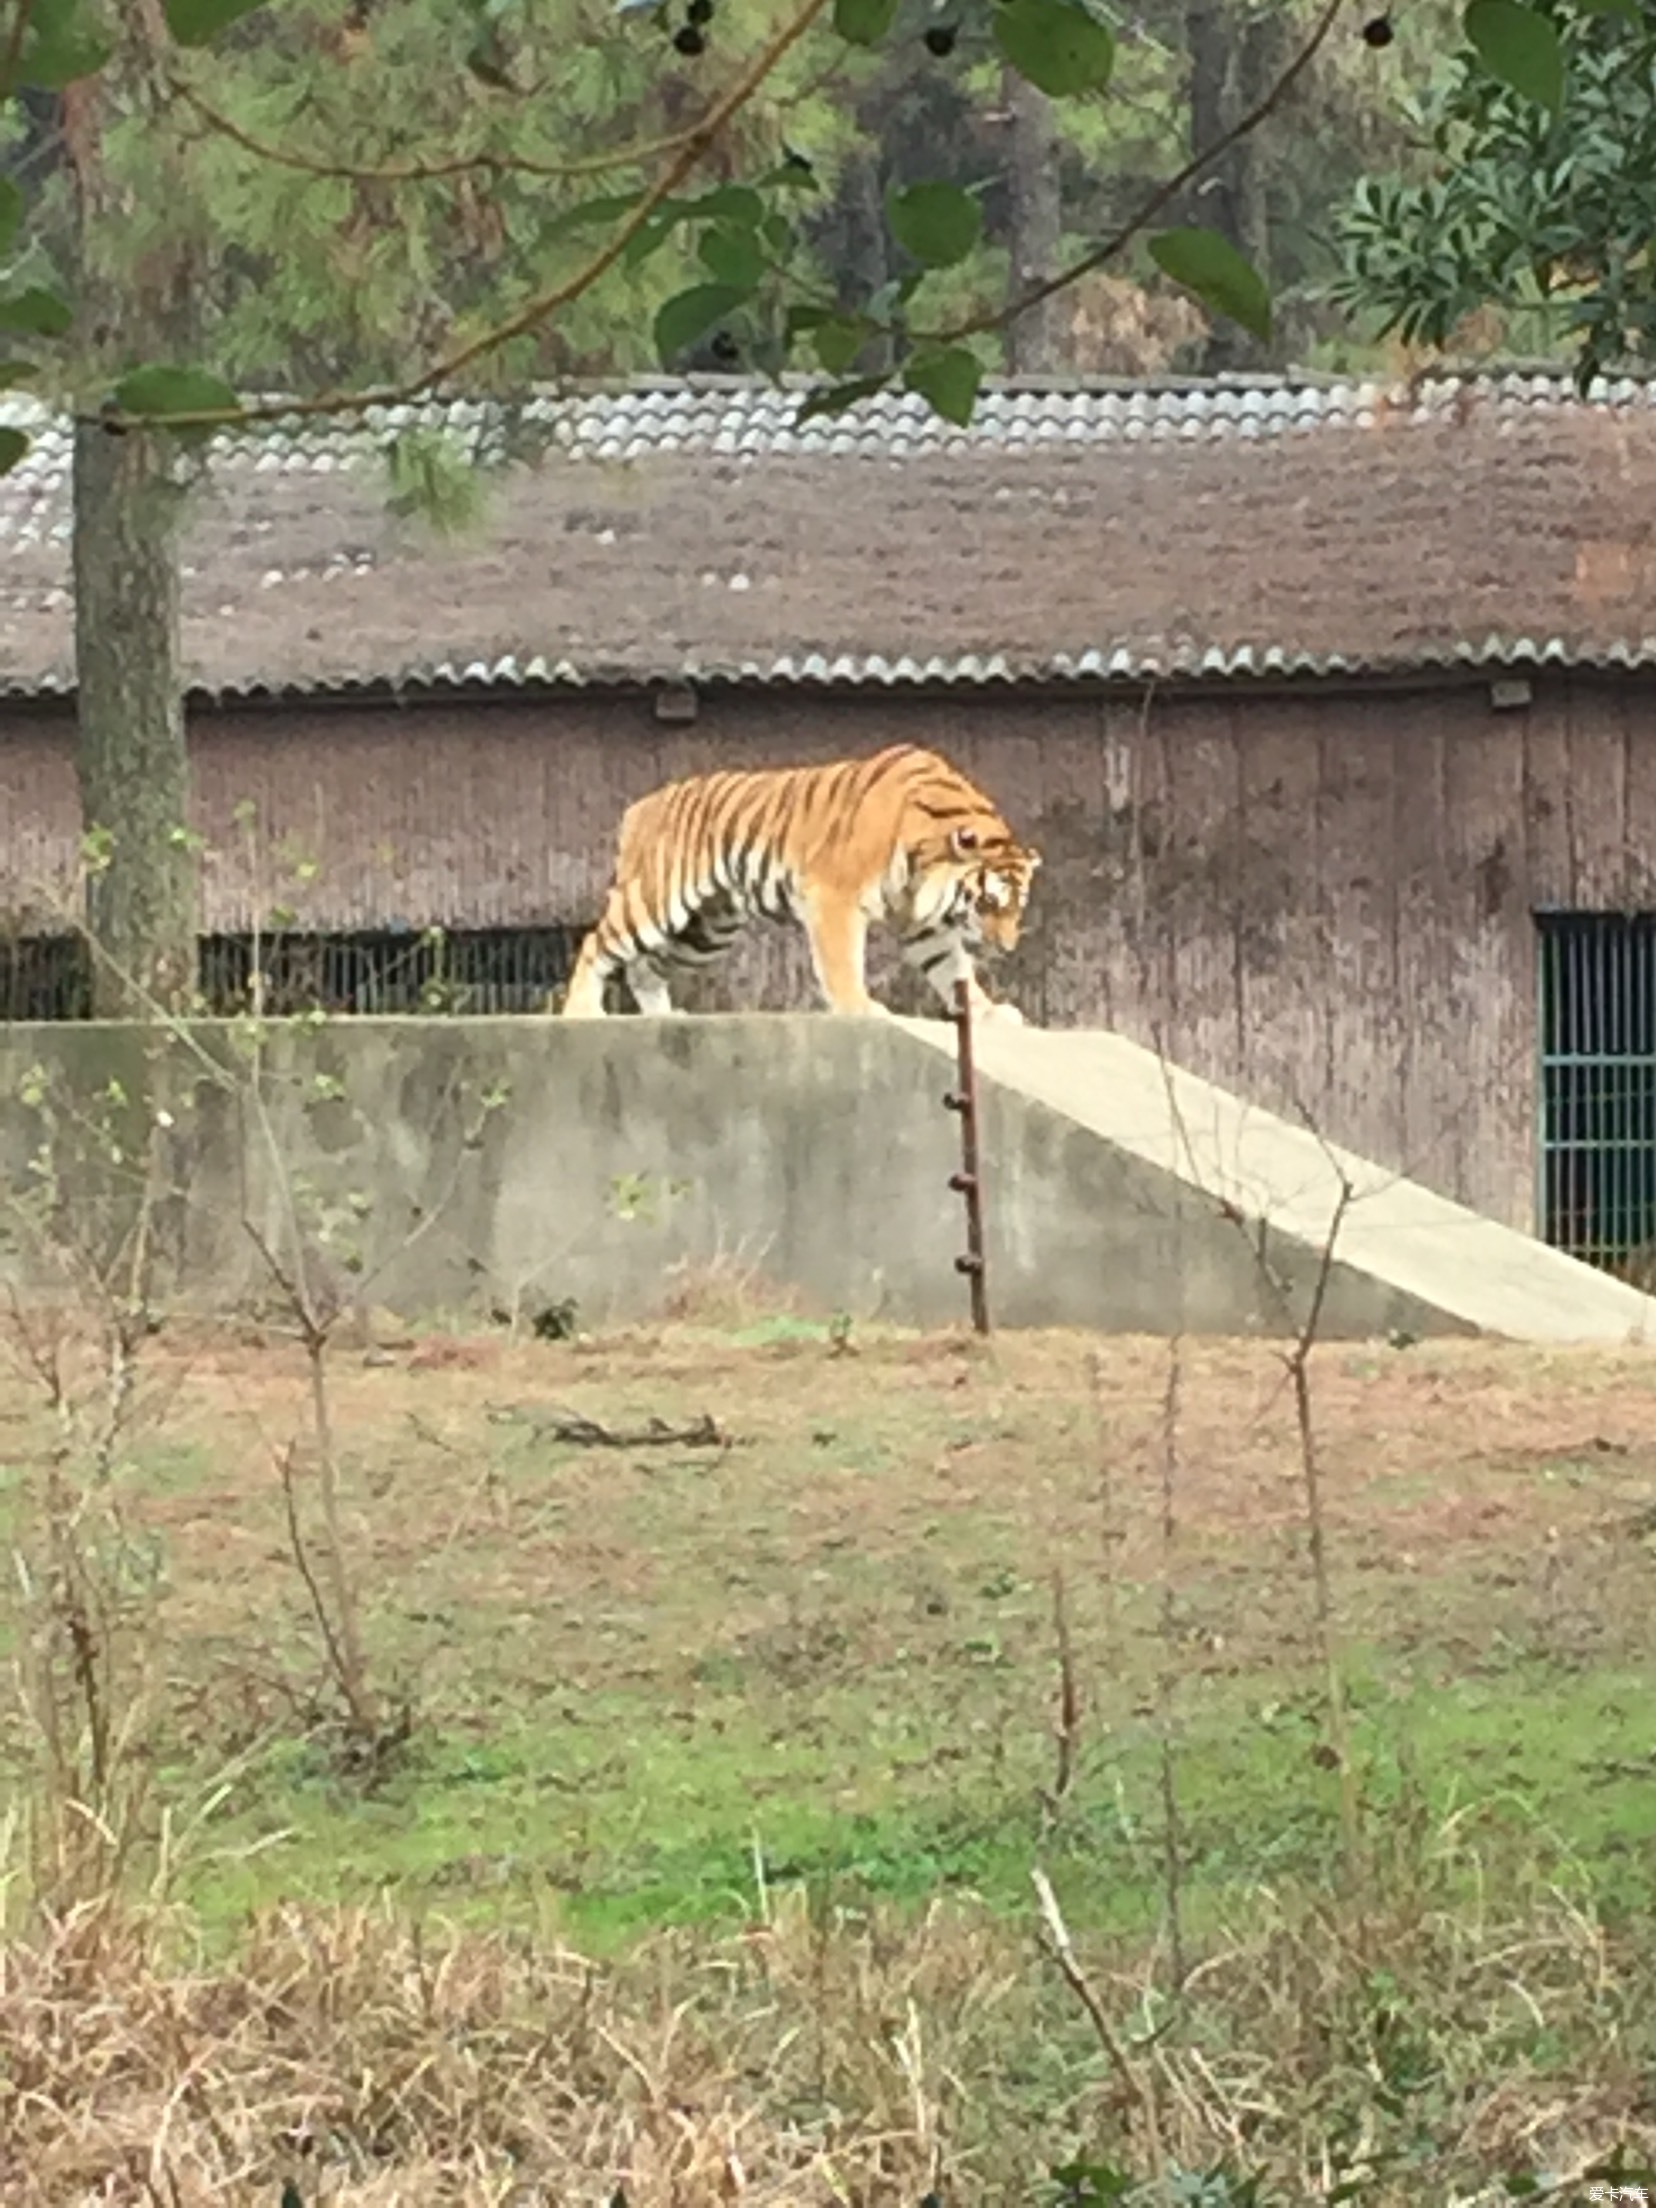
584 998
647 979
704 938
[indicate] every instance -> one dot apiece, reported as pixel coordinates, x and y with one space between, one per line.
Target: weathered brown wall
1321 899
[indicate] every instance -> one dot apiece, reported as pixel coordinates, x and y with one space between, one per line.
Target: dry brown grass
809 2062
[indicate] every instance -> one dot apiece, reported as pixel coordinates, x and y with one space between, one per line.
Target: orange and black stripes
901 837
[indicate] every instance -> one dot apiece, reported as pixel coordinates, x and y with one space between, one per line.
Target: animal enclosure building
1331 707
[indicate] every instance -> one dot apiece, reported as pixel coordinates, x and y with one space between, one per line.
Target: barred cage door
459 970
463 970
1598 1083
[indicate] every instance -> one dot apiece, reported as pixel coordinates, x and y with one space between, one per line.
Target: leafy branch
1165 193
1539 195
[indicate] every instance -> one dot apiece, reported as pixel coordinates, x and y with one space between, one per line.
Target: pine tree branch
696 144
423 172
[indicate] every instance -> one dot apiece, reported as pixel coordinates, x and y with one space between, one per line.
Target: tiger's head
1000 884
977 874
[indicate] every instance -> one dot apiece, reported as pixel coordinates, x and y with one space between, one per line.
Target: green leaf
58 47
938 223
199 22
734 256
1056 45
794 173
864 22
738 203
1520 46
11 211
839 340
13 445
1211 267
159 389
947 380
645 239
36 312
1627 8
15 372
834 398
689 314
610 208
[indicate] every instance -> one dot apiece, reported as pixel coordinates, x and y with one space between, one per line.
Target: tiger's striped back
902 837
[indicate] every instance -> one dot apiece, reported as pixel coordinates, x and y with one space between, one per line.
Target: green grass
646 1677
610 1815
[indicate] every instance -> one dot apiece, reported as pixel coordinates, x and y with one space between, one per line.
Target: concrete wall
436 1165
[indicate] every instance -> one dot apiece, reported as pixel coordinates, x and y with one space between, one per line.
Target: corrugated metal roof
969 670
299 505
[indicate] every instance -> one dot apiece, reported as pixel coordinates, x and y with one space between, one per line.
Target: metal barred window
44 977
1598 1084
464 970
457 970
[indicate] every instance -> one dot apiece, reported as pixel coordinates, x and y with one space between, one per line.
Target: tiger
902 838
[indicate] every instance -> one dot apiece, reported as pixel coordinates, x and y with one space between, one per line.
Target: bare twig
14 45
1066 1730
1132 2080
1298 1363
1111 1534
338 1660
1172 1828
342 1634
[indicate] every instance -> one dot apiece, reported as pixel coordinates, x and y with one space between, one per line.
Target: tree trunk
1035 340
1229 197
1267 49
132 759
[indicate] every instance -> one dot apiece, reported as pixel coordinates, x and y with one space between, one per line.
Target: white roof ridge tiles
760 415
1095 662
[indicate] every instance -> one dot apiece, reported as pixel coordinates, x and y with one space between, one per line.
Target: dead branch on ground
581 1432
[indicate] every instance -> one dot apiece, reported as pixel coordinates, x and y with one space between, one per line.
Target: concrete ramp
1246 1173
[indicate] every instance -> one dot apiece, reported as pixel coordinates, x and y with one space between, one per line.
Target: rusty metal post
968 1182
